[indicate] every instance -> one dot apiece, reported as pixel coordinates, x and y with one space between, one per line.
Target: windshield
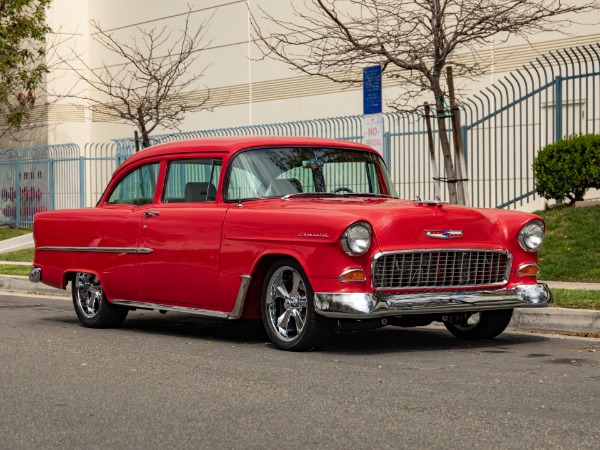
276 172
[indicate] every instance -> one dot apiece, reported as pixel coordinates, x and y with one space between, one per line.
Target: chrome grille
440 269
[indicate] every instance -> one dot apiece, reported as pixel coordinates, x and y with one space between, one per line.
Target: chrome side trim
238 309
236 313
35 276
364 305
139 250
181 309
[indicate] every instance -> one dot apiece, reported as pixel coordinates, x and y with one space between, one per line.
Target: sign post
372 107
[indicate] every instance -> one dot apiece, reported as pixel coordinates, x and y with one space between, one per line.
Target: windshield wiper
365 194
310 194
331 194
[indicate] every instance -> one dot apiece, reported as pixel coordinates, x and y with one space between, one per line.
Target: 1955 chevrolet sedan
306 233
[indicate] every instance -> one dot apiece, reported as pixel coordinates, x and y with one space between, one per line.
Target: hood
405 224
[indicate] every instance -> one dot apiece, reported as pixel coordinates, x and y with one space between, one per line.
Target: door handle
152 213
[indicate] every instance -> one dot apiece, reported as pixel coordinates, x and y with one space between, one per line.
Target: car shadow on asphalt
383 340
431 338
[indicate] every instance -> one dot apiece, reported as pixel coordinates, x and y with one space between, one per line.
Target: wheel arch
258 273
69 276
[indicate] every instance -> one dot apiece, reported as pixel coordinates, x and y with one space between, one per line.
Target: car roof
230 145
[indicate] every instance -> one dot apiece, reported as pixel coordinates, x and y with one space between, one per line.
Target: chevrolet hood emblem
445 234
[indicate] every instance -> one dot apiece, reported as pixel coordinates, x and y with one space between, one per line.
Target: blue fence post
52 202
17 194
558 108
81 182
387 150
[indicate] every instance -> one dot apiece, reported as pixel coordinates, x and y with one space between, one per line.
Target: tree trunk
142 128
445 143
145 139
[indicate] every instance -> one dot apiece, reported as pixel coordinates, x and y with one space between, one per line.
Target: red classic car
307 234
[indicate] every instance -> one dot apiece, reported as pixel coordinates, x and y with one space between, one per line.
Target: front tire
90 303
481 325
288 309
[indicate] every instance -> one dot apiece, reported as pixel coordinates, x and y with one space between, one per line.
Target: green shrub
568 168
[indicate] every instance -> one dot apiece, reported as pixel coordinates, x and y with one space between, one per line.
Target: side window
193 180
243 184
137 188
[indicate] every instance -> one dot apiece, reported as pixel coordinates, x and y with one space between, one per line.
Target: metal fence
37 179
504 126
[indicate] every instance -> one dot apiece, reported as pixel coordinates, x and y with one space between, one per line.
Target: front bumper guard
365 305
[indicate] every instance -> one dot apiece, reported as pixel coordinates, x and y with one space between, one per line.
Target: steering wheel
343 189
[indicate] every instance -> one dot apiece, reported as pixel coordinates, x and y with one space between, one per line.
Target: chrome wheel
288 309
88 294
287 303
90 303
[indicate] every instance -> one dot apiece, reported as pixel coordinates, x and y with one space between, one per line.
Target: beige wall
249 89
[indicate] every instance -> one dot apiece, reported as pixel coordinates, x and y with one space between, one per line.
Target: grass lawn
8 232
6 269
566 298
25 255
571 249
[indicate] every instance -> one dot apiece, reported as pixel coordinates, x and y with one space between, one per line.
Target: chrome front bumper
377 304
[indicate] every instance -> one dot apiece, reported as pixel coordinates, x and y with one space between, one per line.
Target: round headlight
356 240
531 235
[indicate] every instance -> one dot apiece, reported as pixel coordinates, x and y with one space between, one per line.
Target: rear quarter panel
116 227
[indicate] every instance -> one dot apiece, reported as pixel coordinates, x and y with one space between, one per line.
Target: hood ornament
445 234
437 202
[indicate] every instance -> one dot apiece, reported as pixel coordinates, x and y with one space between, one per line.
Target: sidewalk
17 243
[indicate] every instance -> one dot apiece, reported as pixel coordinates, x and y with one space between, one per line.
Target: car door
183 230
117 223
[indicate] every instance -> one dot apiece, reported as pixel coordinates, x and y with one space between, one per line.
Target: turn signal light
352 275
528 270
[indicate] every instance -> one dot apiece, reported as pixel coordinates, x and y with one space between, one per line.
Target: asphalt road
174 381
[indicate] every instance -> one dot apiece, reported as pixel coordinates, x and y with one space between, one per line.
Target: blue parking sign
372 90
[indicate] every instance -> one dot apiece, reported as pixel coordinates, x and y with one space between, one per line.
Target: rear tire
482 325
288 309
90 303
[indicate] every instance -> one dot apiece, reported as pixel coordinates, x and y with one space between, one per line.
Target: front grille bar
440 268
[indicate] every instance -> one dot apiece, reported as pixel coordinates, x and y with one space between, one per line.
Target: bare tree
412 40
151 86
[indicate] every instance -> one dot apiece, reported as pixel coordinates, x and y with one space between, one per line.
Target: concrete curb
551 319
14 283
